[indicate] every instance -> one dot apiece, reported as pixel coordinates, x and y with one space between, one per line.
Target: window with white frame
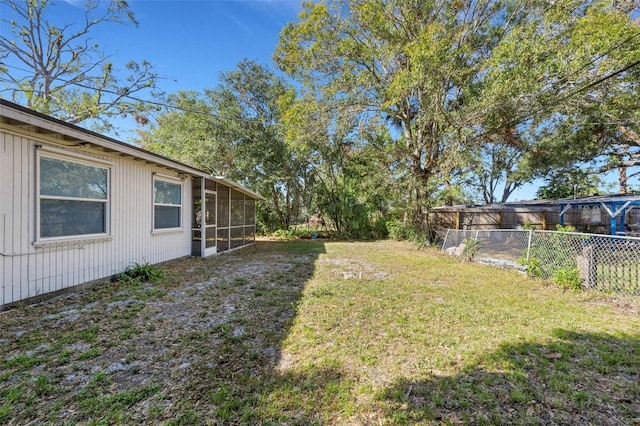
167 204
73 198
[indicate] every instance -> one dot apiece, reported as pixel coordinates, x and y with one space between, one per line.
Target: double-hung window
73 198
167 204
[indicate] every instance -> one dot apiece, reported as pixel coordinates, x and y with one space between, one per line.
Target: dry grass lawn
316 332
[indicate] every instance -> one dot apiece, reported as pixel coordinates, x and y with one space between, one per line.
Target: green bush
284 233
554 257
399 231
302 233
568 279
549 254
380 229
567 228
533 266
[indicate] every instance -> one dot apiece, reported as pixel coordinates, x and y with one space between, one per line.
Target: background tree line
379 110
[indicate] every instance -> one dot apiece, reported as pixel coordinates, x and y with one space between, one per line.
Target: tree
492 171
256 97
59 70
348 165
234 130
415 63
188 132
589 110
569 183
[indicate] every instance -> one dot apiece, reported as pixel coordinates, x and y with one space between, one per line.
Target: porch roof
616 206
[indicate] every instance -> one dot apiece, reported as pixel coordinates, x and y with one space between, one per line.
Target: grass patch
91 353
318 332
21 362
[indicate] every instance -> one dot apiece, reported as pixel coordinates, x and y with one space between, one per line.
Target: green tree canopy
416 63
477 91
235 130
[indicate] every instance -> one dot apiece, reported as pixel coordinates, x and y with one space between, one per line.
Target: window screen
73 198
167 204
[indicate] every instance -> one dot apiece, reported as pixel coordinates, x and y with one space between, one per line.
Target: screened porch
223 216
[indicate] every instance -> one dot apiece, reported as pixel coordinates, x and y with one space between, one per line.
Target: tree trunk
622 178
276 205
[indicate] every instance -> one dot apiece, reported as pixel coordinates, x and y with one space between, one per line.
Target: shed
623 211
76 206
610 214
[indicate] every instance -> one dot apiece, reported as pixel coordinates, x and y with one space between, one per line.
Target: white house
76 206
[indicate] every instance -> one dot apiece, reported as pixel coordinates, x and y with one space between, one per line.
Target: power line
146 101
602 55
484 134
584 66
561 99
601 80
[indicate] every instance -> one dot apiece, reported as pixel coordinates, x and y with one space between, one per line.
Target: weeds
568 279
139 273
532 263
471 248
91 353
43 387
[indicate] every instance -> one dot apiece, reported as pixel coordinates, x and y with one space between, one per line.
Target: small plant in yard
550 252
568 279
144 272
533 266
10 399
91 353
565 228
43 386
471 248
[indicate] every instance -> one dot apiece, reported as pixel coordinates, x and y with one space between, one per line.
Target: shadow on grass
237 379
201 346
204 347
578 378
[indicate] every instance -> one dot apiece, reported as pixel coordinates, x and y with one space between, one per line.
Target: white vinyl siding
31 267
109 183
73 198
167 204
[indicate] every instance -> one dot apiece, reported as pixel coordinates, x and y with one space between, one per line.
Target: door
209 223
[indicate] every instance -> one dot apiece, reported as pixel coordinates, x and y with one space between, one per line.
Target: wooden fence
513 218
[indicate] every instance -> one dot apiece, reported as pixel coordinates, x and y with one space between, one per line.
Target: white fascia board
235 185
95 139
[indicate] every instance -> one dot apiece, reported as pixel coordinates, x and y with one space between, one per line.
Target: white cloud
76 3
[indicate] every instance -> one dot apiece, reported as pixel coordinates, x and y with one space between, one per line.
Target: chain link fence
601 262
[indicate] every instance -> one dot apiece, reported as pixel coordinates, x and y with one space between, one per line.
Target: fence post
529 244
477 233
446 237
593 269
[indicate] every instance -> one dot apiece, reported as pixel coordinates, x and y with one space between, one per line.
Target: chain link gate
603 262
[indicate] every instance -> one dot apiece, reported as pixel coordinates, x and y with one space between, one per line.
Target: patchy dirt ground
150 352
324 333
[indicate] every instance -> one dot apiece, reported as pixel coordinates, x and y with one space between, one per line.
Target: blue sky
191 42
